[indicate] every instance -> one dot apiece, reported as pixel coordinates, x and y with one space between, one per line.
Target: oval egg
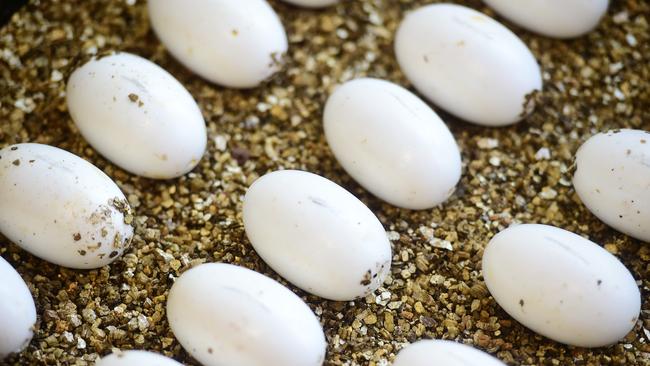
311 3
468 64
17 311
136 358
553 18
228 315
447 353
612 179
235 43
316 234
137 115
561 285
61 208
392 143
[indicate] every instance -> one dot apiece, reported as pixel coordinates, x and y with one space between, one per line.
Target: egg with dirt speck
61 208
468 64
561 285
316 234
392 143
137 115
17 311
447 353
311 3
553 18
228 315
234 43
136 358
612 178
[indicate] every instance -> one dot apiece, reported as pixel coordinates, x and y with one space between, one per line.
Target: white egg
561 285
392 143
468 64
612 178
137 115
316 234
136 358
553 18
61 208
311 3
228 315
17 311
235 43
447 353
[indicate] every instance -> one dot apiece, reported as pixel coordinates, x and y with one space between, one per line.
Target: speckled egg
612 178
316 234
137 115
228 315
561 285
17 311
61 208
468 64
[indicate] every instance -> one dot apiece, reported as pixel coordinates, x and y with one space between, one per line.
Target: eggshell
561 285
392 143
468 64
553 18
17 311
311 3
235 43
228 315
612 178
316 234
137 115
136 358
61 208
447 353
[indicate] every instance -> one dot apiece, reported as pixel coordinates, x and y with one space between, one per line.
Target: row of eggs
246 37
555 282
458 58
421 353
301 224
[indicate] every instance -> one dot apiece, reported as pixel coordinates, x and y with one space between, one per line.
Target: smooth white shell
467 63
447 353
228 315
311 3
316 234
392 143
17 311
136 358
235 43
553 18
612 179
561 285
137 115
60 207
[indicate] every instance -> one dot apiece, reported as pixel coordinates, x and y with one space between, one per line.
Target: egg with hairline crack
561 285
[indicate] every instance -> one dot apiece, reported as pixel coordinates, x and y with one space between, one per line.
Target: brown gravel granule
515 174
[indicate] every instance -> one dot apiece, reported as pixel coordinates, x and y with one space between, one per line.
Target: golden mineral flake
593 83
